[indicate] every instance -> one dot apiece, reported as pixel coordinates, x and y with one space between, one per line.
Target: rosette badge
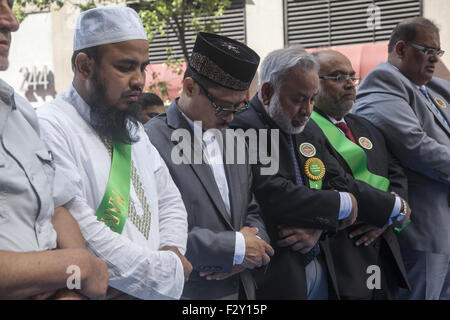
314 169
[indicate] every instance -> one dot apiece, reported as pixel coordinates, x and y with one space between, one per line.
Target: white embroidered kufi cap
107 25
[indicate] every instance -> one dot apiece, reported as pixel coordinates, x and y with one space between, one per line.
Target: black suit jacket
284 203
351 262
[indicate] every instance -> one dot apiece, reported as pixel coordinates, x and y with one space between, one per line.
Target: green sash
113 209
353 154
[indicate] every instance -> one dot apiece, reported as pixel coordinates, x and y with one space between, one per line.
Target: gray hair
277 64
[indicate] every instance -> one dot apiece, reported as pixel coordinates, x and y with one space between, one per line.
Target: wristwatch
402 214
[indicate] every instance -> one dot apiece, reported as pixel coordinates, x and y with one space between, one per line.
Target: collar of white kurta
72 97
84 110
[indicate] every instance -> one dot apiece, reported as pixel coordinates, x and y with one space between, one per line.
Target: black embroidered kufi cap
224 61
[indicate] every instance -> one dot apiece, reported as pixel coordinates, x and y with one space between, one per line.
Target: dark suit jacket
212 232
350 261
416 136
285 203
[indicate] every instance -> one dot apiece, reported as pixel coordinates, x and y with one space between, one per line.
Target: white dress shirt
135 264
213 156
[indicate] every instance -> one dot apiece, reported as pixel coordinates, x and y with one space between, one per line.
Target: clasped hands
257 254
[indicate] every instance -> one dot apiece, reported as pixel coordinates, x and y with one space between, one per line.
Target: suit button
234 283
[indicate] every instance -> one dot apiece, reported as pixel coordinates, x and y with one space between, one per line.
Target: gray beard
278 115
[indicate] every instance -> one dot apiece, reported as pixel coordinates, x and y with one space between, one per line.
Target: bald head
336 97
329 59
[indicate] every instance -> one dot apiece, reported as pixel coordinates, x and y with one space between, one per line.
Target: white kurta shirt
135 264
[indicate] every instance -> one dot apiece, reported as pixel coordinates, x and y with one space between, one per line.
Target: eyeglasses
427 50
342 78
238 107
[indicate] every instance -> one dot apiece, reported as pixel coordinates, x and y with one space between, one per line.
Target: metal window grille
315 23
232 24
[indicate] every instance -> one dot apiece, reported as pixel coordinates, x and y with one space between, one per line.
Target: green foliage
180 16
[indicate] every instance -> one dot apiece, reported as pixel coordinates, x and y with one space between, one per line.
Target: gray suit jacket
212 231
417 136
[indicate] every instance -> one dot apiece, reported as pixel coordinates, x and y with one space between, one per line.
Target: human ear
267 92
400 48
84 66
188 86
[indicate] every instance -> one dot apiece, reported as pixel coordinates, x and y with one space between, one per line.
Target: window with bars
315 23
232 25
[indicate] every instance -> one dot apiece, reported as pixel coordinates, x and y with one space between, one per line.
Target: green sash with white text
113 209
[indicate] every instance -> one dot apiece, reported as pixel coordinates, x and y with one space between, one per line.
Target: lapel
443 111
176 120
430 107
355 129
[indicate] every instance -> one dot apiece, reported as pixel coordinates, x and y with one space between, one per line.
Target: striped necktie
299 181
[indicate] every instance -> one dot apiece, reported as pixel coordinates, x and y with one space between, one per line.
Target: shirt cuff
346 205
396 210
239 249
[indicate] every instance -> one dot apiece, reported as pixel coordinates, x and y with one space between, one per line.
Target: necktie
424 91
298 177
343 126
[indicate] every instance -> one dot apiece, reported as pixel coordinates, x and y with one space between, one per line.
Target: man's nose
138 80
8 20
306 108
434 58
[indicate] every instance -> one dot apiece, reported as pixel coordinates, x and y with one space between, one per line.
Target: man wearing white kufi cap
129 210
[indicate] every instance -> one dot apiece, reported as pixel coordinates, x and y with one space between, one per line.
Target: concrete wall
438 11
265 25
31 70
64 22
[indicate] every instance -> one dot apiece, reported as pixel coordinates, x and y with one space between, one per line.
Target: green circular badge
314 169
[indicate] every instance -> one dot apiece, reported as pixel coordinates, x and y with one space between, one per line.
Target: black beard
109 121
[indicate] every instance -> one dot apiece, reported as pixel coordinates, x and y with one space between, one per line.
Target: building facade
41 50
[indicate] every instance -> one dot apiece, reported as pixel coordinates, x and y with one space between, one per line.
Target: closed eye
125 67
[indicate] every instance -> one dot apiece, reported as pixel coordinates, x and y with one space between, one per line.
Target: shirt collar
334 121
207 136
415 85
7 94
191 123
74 98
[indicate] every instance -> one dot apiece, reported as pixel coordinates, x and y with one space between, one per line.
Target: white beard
278 115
